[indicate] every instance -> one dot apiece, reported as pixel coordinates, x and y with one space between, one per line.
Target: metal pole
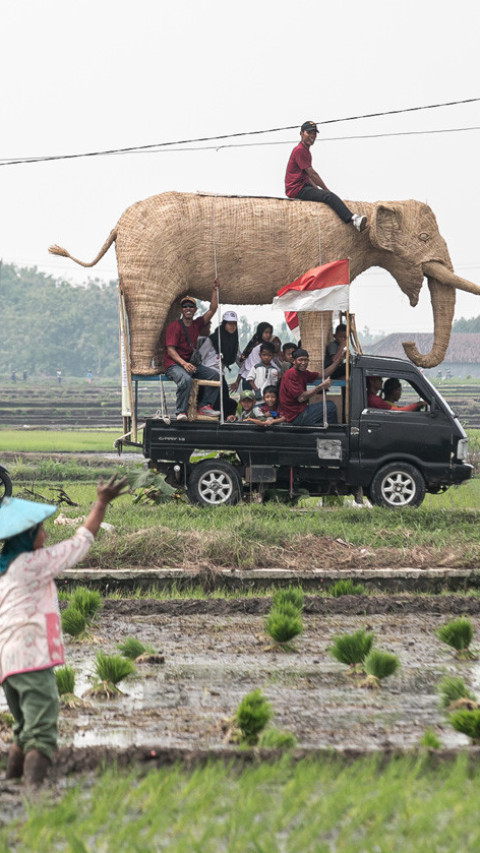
324 396
347 356
219 313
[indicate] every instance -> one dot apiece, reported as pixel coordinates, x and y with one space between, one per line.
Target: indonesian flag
324 288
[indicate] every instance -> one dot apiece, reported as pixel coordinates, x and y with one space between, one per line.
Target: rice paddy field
154 770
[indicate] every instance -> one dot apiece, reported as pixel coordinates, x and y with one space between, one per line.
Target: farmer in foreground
30 634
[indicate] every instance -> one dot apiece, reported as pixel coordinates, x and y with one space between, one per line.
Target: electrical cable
139 148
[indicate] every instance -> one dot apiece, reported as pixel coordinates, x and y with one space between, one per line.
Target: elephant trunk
443 305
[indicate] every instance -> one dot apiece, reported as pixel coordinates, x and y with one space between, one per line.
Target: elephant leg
315 334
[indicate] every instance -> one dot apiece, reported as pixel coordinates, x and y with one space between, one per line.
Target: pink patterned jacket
30 632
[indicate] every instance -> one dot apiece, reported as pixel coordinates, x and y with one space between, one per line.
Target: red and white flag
324 288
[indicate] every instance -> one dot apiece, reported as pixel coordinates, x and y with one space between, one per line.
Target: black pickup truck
395 457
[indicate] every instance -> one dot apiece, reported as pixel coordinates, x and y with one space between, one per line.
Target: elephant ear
385 227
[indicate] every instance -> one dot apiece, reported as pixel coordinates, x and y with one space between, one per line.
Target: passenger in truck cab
392 391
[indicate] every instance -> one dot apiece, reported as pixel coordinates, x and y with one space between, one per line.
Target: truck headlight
462 449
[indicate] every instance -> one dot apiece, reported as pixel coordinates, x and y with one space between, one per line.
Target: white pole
324 396
219 313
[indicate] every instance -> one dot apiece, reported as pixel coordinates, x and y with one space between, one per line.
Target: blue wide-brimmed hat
17 515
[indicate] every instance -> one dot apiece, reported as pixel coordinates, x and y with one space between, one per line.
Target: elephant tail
57 250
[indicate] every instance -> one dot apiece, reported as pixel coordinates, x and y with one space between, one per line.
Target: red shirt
176 337
374 402
294 382
296 176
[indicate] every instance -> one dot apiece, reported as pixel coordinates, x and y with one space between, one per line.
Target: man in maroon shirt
180 341
293 395
302 181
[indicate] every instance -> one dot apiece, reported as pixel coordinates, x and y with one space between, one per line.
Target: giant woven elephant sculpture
167 246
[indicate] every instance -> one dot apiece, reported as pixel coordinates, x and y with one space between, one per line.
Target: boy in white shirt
263 373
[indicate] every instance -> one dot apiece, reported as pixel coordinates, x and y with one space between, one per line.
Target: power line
292 142
159 145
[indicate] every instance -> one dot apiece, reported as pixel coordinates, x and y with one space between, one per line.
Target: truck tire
397 485
5 485
214 483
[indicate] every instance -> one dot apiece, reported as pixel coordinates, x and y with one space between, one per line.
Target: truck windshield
436 393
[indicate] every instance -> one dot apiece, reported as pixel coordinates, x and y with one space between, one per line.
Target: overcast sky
103 74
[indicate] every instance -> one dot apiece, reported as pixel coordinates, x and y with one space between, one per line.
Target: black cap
309 125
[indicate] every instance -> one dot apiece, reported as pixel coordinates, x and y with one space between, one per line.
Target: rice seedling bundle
74 621
292 595
352 649
112 668
283 625
131 648
467 722
252 715
273 738
65 678
458 634
451 689
88 601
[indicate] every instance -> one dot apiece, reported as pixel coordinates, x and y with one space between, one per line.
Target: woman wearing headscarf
209 354
251 354
30 629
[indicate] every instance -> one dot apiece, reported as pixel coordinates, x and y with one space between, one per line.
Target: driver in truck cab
374 401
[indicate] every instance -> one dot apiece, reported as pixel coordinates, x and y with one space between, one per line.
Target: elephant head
411 247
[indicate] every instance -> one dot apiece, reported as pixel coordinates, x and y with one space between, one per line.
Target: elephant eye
423 236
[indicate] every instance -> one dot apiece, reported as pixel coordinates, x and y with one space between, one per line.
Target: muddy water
213 659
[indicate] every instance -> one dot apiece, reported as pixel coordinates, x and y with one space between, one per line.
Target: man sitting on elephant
180 342
293 395
302 181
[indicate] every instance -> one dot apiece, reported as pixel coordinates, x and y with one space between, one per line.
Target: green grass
58 441
272 536
314 806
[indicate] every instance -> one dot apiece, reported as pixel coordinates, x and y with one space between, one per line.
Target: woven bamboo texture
167 244
165 249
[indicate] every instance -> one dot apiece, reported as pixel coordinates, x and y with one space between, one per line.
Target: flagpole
220 354
324 396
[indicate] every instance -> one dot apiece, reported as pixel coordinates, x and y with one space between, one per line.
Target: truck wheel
214 483
397 485
5 485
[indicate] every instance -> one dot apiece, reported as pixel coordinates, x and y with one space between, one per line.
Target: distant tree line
463 325
49 324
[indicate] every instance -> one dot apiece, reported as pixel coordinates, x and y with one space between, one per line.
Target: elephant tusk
438 271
